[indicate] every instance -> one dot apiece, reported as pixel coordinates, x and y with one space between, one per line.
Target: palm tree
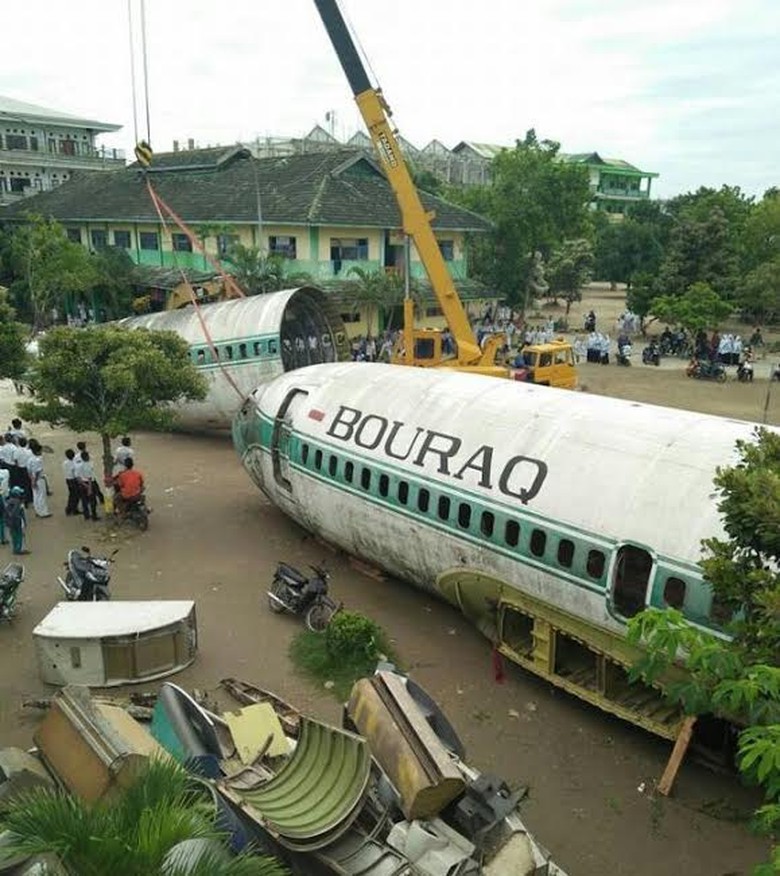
132 833
258 274
380 291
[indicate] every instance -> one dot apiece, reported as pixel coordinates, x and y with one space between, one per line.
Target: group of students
22 483
84 493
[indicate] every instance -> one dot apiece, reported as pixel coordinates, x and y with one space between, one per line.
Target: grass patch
348 650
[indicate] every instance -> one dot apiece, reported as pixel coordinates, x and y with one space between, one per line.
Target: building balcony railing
622 194
317 270
89 155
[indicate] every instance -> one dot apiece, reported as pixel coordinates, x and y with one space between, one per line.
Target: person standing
4 485
123 452
71 482
86 476
16 431
16 519
20 477
81 447
38 481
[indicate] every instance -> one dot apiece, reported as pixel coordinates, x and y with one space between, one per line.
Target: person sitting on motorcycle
130 486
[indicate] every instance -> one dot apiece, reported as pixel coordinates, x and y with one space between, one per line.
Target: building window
34 144
19 184
282 246
350 317
98 238
181 243
447 248
347 249
15 141
74 234
565 553
225 243
148 240
122 239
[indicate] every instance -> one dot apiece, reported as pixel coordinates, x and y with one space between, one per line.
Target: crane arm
415 220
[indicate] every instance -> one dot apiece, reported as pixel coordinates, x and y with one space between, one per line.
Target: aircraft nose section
247 433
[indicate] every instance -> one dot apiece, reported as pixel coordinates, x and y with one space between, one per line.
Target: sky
689 89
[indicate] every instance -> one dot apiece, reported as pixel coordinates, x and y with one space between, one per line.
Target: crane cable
158 205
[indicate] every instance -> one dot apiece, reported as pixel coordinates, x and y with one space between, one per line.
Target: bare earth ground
214 538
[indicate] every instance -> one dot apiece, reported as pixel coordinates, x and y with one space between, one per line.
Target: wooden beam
678 753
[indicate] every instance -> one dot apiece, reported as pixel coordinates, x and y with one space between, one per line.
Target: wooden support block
678 753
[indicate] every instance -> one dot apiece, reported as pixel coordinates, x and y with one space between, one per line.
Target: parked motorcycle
651 355
745 372
624 354
291 591
10 580
135 510
88 577
703 369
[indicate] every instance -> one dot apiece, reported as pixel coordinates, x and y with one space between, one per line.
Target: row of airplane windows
458 512
483 522
234 351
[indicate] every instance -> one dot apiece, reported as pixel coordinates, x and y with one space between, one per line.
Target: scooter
291 591
624 355
135 510
745 372
88 577
10 580
703 369
651 355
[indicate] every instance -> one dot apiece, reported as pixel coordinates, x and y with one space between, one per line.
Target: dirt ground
214 538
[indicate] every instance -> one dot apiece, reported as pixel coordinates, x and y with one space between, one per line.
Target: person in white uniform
38 481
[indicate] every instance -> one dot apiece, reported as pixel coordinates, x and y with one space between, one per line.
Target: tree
427 181
378 291
535 202
759 295
739 678
51 267
13 356
110 380
114 277
258 274
640 297
131 833
625 249
699 308
762 231
569 269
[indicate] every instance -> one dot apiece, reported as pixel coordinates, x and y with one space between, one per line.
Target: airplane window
365 478
444 508
674 592
349 472
512 533
464 515
215 354
487 523
565 553
332 464
538 542
273 347
384 485
595 564
423 500
228 352
318 460
403 492
242 351
305 454
201 357
258 347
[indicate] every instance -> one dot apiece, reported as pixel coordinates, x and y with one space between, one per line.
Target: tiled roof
17 110
341 187
594 158
484 150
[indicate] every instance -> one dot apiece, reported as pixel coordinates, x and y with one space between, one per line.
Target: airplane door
631 579
282 436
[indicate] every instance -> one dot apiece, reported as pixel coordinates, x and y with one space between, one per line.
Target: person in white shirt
123 452
15 431
38 481
71 482
6 451
20 477
86 477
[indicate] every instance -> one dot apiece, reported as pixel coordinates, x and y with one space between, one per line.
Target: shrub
352 636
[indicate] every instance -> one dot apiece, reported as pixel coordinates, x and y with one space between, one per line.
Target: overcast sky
687 88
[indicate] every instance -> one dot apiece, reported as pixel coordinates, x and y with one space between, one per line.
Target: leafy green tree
625 249
762 231
110 380
13 356
257 273
427 181
535 201
569 269
114 278
378 291
699 308
759 295
738 678
640 296
131 833
50 266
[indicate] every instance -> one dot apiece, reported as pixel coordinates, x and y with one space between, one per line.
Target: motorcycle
291 591
624 354
703 369
88 577
10 580
651 355
745 372
135 510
